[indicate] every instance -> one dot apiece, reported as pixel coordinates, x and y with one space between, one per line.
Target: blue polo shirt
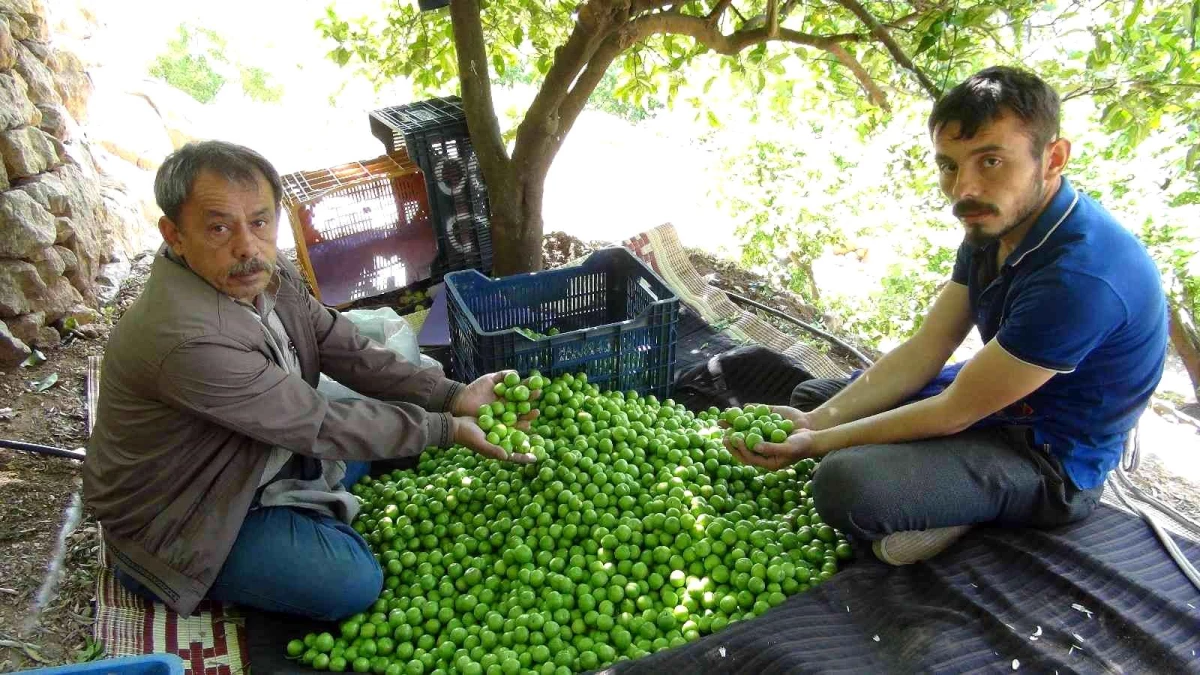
1079 296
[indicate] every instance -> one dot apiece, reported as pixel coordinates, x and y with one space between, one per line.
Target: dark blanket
977 608
712 370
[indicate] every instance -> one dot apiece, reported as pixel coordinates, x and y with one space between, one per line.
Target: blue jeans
355 471
991 475
296 561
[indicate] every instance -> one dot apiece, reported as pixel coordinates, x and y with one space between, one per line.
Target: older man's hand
467 433
482 392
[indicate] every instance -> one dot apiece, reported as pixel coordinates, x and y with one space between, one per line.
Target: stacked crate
434 133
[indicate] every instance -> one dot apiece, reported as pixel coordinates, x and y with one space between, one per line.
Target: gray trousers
977 476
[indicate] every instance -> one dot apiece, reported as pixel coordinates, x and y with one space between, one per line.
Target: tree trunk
811 280
517 224
515 184
1186 340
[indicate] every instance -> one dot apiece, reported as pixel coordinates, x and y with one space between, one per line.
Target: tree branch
603 31
881 33
591 28
476 83
874 93
907 18
643 5
665 5
595 23
700 30
575 101
1186 340
714 17
1132 83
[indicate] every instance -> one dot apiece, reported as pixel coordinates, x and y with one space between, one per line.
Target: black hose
41 449
808 327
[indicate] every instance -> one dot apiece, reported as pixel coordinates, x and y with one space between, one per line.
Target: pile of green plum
634 532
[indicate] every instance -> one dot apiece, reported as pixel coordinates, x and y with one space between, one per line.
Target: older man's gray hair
233 162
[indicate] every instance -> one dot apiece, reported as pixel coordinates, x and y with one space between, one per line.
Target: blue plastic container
151 664
617 322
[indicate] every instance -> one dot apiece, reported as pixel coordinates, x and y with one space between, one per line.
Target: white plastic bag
386 327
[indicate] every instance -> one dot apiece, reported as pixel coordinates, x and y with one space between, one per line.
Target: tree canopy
1135 62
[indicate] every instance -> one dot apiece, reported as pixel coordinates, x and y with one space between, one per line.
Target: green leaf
37 358
1131 20
978 15
93 650
33 653
928 41
712 119
1186 199
45 383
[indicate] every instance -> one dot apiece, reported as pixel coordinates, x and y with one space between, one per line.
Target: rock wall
62 217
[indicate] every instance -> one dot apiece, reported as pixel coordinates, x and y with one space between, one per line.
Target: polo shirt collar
1060 206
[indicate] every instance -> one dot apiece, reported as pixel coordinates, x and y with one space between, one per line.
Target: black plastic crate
434 133
397 127
616 318
458 202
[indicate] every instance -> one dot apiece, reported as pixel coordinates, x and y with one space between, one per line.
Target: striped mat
211 642
661 249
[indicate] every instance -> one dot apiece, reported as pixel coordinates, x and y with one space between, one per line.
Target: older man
1073 315
216 467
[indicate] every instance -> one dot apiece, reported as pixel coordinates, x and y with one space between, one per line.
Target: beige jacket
192 401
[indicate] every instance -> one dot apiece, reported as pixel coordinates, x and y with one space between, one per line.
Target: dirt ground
37 491
46 591
49 622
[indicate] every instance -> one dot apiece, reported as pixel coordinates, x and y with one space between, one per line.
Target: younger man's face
994 179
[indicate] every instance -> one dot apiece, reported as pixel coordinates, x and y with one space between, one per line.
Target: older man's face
226 234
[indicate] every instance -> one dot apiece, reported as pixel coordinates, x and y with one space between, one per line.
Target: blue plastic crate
617 322
151 664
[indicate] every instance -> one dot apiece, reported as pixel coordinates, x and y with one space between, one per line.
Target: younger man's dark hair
986 95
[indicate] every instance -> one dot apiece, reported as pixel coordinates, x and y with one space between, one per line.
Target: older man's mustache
251 266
